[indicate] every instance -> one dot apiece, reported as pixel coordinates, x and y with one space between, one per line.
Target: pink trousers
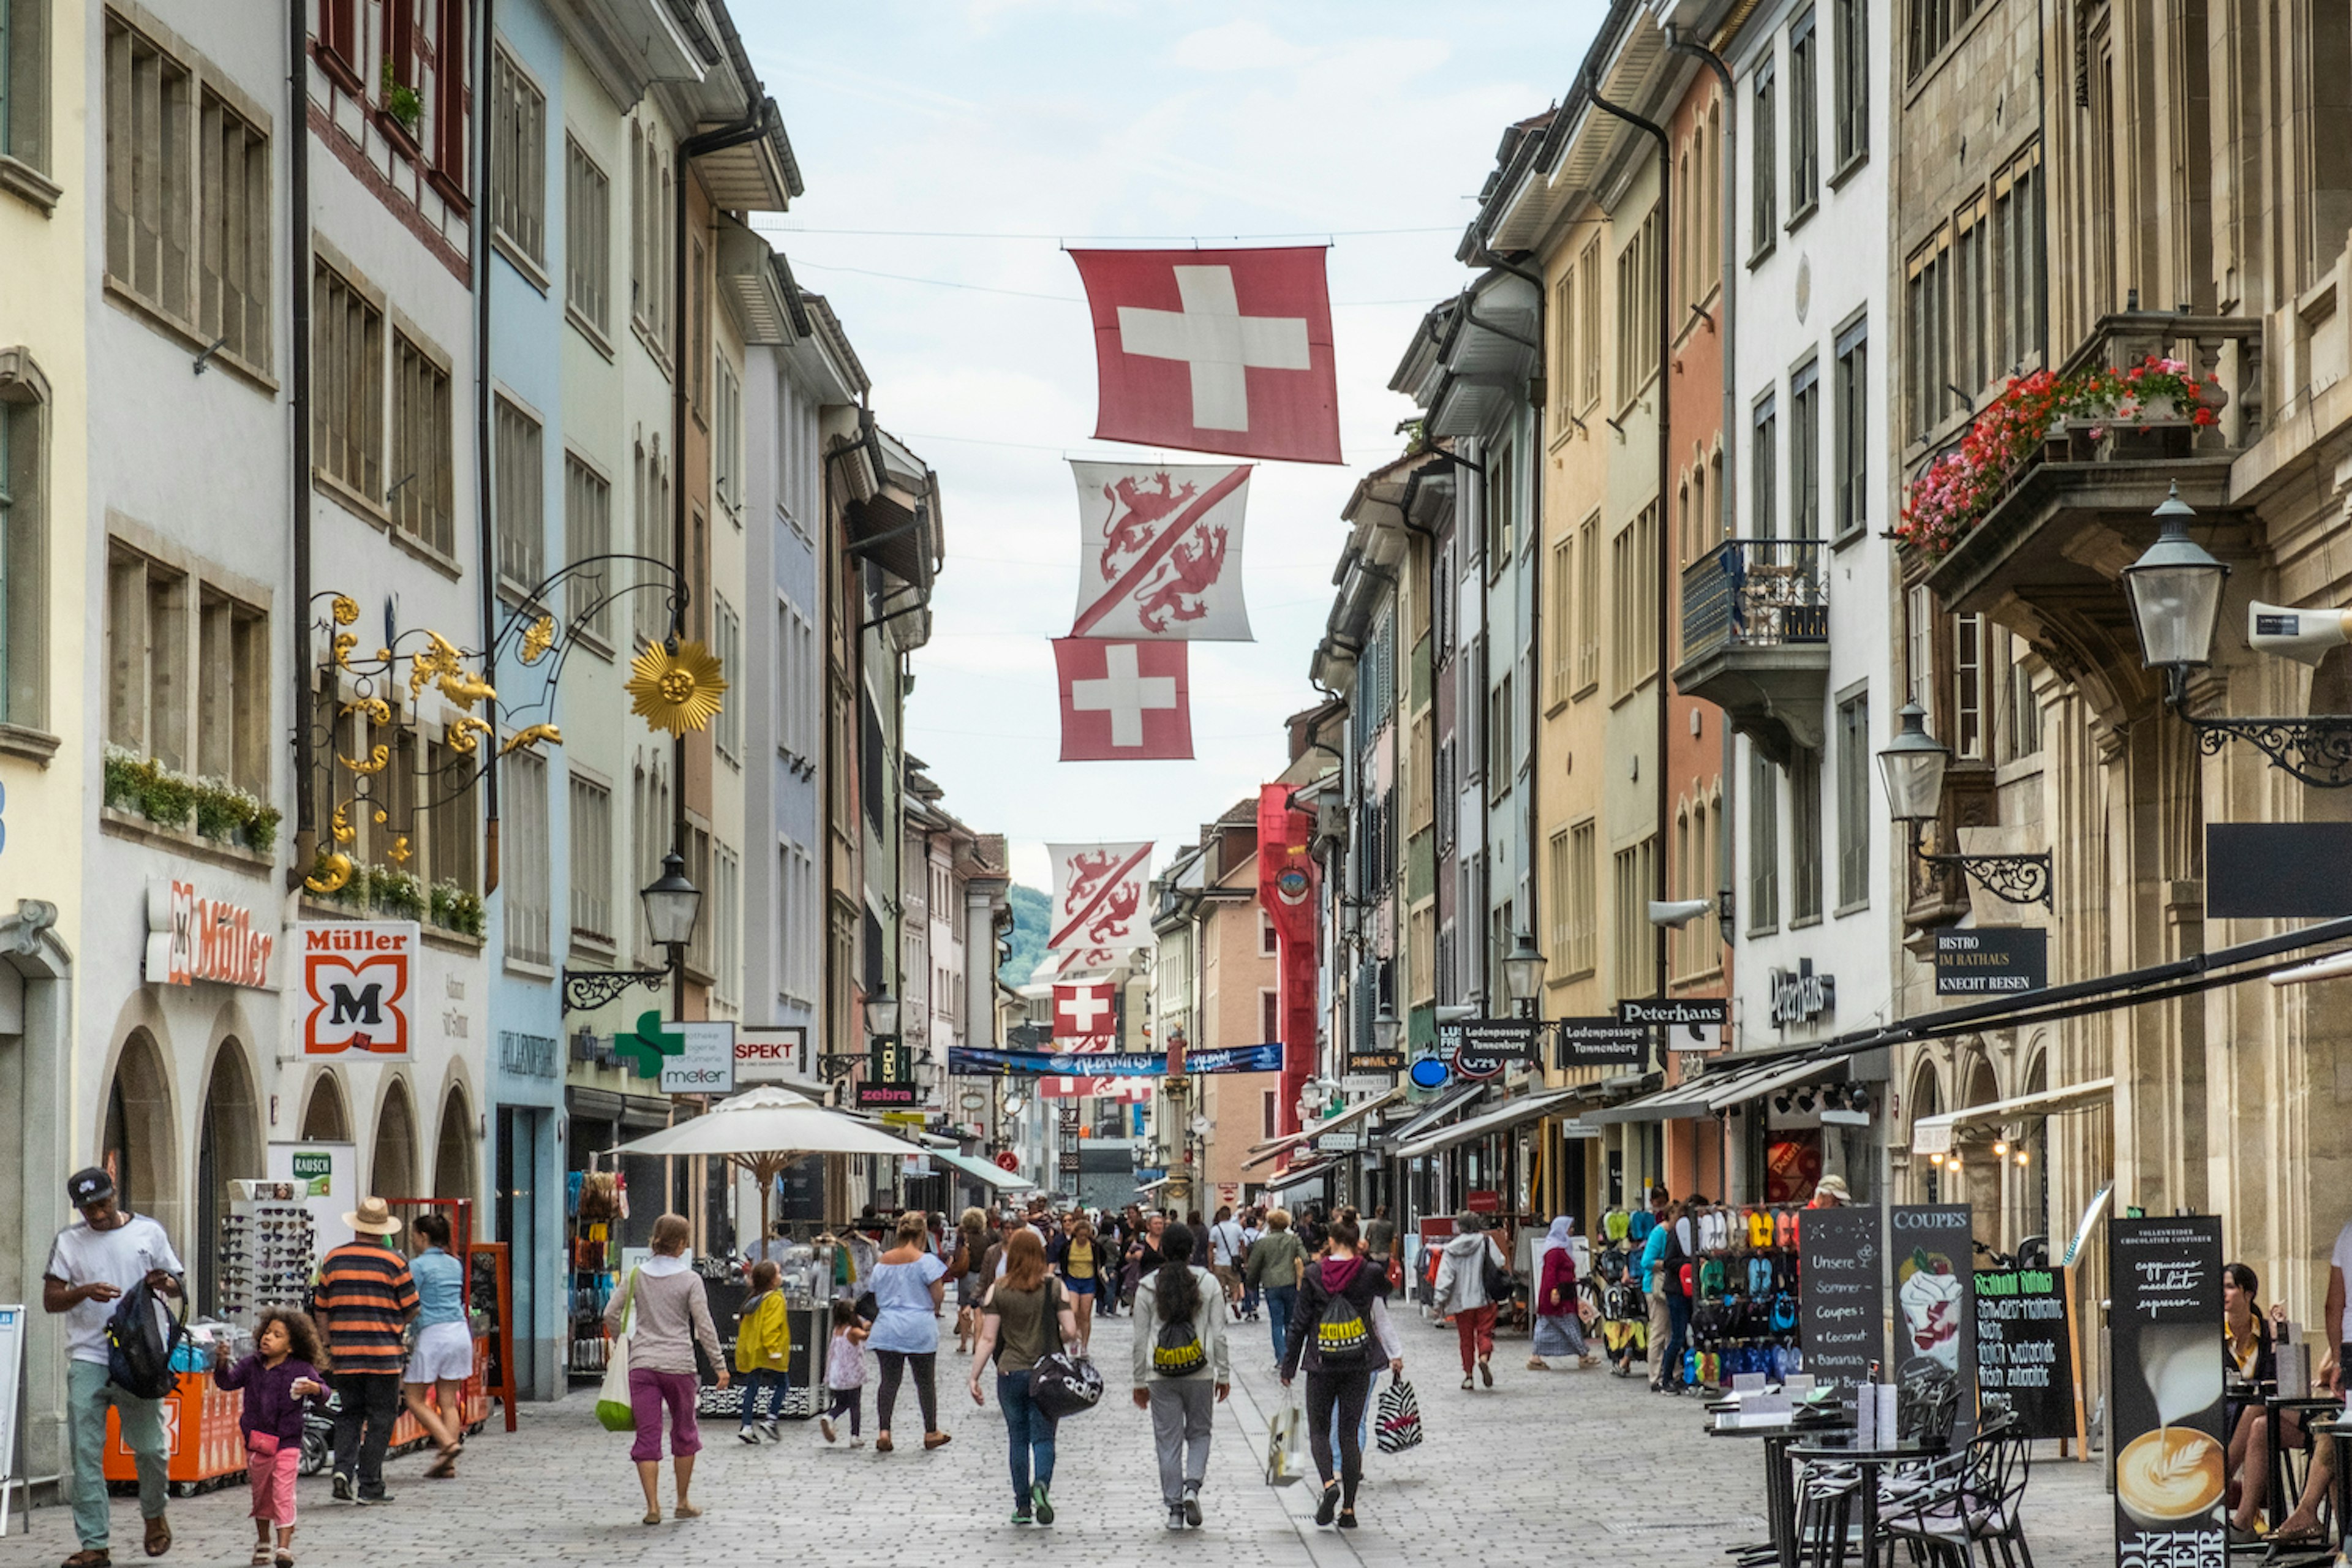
273 1483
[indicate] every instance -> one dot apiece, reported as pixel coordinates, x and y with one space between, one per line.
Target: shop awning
1702 1095
1495 1119
1449 1102
1346 1119
984 1171
1934 1134
1300 1176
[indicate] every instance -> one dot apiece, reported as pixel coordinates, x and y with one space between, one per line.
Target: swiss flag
1215 351
1085 1010
1123 701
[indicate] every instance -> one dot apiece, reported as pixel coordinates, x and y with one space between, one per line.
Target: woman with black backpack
1341 1334
1181 1369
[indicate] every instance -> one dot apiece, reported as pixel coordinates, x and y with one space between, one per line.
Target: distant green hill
1029 907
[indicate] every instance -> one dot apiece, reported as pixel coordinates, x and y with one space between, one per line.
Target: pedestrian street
1542 1468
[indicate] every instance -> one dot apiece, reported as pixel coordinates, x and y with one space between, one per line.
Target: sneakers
748 1434
1486 1371
1041 1504
342 1487
824 1425
1328 1504
1021 1516
1192 1504
772 1430
1176 1518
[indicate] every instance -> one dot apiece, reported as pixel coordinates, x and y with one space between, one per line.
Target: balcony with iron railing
2031 518
1756 638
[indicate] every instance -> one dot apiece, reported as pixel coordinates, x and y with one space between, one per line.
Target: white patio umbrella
764 1129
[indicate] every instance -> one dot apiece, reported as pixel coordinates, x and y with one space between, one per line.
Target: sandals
686 1510
446 1466
653 1516
261 1555
937 1440
882 1444
159 1536
90 1557
284 1560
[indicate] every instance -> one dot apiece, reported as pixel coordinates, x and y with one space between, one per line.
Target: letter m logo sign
357 1001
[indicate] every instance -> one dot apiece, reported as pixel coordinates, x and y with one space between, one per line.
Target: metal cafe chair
1971 1512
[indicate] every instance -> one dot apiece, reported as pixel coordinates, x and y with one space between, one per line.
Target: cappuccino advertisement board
1930 1246
2024 1354
2171 1467
1842 1293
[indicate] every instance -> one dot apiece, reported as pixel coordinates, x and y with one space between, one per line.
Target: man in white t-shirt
91 1263
1226 1250
2332 1318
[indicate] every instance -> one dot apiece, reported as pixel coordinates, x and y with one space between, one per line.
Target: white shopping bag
1286 1446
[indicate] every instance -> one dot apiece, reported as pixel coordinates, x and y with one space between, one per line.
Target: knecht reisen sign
1992 961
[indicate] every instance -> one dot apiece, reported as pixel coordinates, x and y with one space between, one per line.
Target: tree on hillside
1028 940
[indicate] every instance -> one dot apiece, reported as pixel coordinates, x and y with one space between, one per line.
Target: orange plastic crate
201 1440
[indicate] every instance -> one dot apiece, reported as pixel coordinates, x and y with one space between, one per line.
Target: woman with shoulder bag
1462 1294
971 1245
1181 1369
1341 1333
1559 1325
1024 1317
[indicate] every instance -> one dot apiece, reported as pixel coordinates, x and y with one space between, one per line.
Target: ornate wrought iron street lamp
1912 768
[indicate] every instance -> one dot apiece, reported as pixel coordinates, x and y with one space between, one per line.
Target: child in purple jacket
279 1379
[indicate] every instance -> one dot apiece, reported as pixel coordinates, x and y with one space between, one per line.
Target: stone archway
1982 1181
326 1115
392 1167
228 1148
1926 1098
453 1147
137 1140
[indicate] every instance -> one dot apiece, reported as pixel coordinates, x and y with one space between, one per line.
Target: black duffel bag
1063 1384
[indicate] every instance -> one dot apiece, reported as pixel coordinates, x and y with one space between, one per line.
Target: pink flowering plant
1961 487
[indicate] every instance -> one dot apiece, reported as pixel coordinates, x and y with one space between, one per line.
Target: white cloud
1246 44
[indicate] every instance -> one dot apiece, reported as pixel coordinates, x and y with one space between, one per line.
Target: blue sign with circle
1430 1072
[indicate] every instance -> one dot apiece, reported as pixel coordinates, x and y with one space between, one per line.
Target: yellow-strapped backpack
1341 1335
1178 1351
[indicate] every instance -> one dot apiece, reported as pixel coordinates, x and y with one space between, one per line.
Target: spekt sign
355 978
190 939
766 1054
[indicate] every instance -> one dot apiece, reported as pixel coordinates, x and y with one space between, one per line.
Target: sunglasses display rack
268 1251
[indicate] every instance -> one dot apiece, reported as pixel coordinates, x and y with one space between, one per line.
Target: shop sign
1375 1061
1342 1142
355 975
704 1064
1483 1047
1576 1127
1934 1256
1600 1042
1006 1160
1992 961
2025 1349
1481 1201
190 939
773 1054
2170 1467
1842 1301
2277 871
1799 995
527 1056
873 1096
1695 1011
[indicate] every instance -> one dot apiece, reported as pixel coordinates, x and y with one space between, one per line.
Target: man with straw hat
365 1298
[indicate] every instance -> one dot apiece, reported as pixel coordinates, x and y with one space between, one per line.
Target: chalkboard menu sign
1841 1296
2024 1354
2171 1466
1931 1249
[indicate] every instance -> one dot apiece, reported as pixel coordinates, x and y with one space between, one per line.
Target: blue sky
1096 121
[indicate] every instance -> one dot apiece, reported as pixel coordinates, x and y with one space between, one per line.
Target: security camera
1678 913
2305 635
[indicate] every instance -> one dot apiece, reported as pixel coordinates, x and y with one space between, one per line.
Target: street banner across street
977 1061
1160 551
1215 351
1098 896
1124 702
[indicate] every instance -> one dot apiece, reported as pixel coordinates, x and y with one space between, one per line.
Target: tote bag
1286 1446
1398 1427
613 1410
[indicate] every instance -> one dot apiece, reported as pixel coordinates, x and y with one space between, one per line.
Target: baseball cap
90 1186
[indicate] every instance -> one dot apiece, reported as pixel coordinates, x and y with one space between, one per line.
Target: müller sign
190 939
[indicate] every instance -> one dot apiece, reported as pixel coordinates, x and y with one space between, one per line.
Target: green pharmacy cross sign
649 1043
688 1058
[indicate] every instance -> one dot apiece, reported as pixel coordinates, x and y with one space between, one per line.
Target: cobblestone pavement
1542 1468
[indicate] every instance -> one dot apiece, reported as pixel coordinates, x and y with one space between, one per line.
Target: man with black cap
92 1262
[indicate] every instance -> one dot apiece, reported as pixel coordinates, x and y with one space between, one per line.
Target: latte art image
2170 1476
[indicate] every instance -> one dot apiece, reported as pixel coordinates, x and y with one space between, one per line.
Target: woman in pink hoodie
1341 1334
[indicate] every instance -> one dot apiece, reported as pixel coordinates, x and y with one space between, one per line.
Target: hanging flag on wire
1215 351
1160 551
1086 1010
1123 701
1098 896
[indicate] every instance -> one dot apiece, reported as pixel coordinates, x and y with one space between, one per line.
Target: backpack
1342 1338
1177 1351
141 1338
1493 1277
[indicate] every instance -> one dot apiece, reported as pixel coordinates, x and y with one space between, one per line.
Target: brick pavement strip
1541 1466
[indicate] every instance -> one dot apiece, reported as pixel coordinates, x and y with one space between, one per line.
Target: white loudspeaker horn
2306 635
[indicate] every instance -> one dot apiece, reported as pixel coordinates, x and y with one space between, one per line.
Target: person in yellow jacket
763 1350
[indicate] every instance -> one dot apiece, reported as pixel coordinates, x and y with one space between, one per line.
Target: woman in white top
908 1284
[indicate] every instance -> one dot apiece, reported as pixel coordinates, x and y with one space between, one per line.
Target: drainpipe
1665 429
486 526
1728 492
1535 573
298 240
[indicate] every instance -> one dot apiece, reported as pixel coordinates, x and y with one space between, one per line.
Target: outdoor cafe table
1870 1461
1776 1430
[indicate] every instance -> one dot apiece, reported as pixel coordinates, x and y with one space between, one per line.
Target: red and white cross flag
1160 551
1098 896
1215 351
1084 1011
1123 701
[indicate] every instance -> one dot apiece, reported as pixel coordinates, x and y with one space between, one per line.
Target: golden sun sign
675 691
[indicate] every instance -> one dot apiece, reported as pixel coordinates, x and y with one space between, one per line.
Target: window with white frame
587 534
1804 116
798 682
521 497
423 489
587 240
1851 397
1583 898
1853 801
651 194
652 834
1637 308
796 929
726 441
24 85
347 384
525 876
726 892
1805 451
1636 884
1763 846
726 731
518 159
23 548
1968 686
1851 71
1764 195
592 861
1763 462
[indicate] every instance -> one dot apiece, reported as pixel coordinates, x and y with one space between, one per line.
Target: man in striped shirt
364 1300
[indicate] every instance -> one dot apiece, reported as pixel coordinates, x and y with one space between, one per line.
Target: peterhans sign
355 978
1799 995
